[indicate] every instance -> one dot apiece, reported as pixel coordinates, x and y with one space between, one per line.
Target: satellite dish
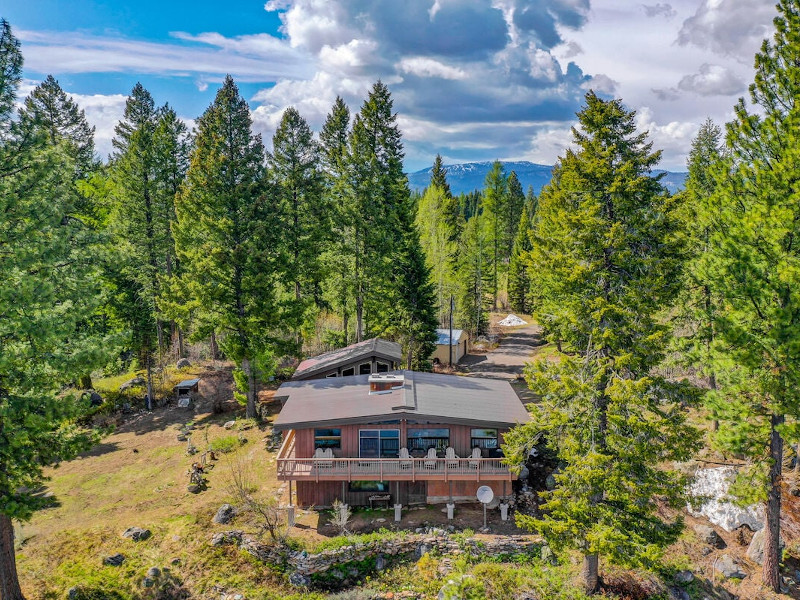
485 494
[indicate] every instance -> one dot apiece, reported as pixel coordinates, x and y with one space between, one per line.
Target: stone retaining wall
304 564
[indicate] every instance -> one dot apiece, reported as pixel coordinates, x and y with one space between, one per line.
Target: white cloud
249 58
429 67
729 27
712 80
659 10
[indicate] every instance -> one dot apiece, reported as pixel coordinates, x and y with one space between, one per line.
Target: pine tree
495 206
602 253
226 237
47 278
697 304
138 224
439 176
514 208
473 278
296 171
48 108
519 278
338 259
753 263
437 246
378 189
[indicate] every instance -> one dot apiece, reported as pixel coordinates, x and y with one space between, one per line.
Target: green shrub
225 444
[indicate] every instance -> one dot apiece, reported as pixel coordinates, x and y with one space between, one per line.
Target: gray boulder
708 535
225 514
227 537
299 580
135 382
755 551
683 577
137 534
729 567
183 363
114 560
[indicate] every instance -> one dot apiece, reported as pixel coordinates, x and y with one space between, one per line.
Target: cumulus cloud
673 137
659 10
712 80
729 27
473 62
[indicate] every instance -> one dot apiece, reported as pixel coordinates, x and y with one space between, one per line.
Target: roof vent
384 383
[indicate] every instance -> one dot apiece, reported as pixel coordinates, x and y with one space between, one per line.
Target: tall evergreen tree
338 259
438 248
519 277
602 252
378 189
439 176
514 208
697 304
473 278
47 278
495 206
753 263
226 236
296 171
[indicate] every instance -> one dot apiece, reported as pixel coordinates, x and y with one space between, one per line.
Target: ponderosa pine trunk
149 361
772 517
251 388
9 582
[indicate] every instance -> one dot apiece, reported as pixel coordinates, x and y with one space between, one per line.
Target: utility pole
450 339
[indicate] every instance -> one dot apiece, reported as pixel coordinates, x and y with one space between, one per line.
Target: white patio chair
405 459
452 458
430 459
474 459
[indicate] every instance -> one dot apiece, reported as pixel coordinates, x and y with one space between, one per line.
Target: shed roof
330 360
444 337
423 397
187 384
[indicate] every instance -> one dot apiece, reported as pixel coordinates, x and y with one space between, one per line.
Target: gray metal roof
424 397
334 358
186 384
444 337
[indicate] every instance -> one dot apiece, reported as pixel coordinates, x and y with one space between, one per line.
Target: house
458 342
370 356
405 437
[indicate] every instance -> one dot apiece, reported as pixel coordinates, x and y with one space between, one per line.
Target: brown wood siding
460 438
439 491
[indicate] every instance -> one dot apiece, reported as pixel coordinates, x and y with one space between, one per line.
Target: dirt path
510 356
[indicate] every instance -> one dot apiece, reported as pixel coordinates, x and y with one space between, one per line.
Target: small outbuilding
458 342
185 392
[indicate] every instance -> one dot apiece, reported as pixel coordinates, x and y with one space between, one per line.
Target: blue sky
471 79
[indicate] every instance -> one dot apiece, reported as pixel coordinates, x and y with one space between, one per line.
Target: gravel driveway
507 360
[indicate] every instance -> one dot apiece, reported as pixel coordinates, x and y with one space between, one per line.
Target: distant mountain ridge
466 177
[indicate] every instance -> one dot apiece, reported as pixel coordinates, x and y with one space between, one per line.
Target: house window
369 486
383 367
327 438
365 368
350 371
422 439
485 439
379 443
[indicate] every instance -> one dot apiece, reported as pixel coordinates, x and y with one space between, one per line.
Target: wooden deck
387 469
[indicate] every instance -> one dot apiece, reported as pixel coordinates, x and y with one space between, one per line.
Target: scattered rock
137 534
710 492
136 381
147 582
193 488
755 551
182 437
676 593
706 551
380 563
684 577
230 425
154 572
299 580
175 562
709 536
729 567
95 399
743 535
227 537
72 593
114 560
183 363
225 514
550 482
